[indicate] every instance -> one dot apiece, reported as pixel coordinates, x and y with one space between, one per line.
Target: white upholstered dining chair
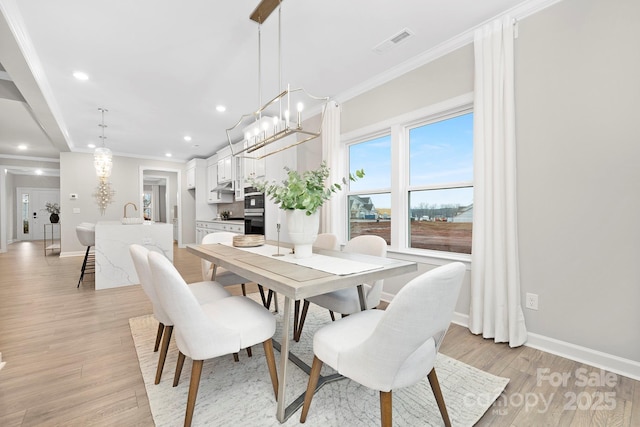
346 301
204 292
210 330
225 277
393 348
211 271
327 241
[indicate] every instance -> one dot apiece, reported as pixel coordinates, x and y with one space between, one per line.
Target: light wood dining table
296 282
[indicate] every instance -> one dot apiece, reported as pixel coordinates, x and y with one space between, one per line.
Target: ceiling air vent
393 41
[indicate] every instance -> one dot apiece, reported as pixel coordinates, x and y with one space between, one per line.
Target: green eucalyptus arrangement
306 191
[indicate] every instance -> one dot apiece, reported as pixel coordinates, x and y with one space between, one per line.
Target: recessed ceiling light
187 138
91 145
38 171
22 147
168 154
221 108
80 75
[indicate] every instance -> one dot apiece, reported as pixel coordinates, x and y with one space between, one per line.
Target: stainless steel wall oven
253 211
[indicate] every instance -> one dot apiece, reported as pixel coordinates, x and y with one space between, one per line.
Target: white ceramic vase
303 231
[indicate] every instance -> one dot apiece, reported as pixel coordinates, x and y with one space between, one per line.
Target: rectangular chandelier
274 120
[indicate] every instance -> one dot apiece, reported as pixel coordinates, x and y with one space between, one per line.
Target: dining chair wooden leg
303 316
179 365
271 364
235 357
163 352
437 392
158 336
249 352
196 371
311 387
386 408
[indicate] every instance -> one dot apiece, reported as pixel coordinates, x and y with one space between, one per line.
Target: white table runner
328 264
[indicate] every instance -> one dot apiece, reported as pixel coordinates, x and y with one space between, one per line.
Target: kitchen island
114 267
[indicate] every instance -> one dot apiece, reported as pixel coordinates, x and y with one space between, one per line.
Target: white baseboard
609 362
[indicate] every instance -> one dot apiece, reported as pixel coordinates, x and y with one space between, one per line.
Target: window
25 213
440 191
428 201
369 200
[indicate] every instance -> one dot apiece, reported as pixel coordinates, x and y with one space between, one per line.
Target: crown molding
518 13
31 159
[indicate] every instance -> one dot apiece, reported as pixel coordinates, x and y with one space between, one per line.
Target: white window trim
398 128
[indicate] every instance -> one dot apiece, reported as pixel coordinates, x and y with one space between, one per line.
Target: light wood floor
71 359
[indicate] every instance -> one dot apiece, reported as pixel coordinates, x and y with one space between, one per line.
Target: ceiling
160 68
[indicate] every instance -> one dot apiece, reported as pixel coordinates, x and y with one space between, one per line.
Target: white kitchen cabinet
253 167
225 169
205 227
239 181
212 182
190 172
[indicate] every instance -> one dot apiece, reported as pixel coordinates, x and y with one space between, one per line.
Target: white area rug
240 394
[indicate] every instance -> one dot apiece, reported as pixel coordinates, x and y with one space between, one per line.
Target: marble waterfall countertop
114 266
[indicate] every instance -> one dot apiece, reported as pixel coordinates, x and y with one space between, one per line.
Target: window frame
398 127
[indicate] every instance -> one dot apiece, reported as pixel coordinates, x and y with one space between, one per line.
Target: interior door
32 213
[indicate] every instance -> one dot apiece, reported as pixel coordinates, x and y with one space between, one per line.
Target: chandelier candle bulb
300 108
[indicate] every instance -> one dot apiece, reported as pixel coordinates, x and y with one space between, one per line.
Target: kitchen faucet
125 207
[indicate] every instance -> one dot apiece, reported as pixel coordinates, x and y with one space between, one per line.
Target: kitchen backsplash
236 208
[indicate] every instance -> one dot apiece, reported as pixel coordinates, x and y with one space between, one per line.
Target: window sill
429 257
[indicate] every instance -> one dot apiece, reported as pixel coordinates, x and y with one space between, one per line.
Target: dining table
276 268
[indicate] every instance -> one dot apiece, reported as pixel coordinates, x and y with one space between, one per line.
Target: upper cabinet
225 165
214 195
190 171
254 167
225 170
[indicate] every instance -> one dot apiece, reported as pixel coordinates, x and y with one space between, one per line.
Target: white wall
577 88
77 175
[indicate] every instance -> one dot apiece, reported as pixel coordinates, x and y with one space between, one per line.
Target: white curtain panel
331 210
496 310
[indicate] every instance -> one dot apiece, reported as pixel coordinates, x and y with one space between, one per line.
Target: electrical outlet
531 301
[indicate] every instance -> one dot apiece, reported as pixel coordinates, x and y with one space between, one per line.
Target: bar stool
87 236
